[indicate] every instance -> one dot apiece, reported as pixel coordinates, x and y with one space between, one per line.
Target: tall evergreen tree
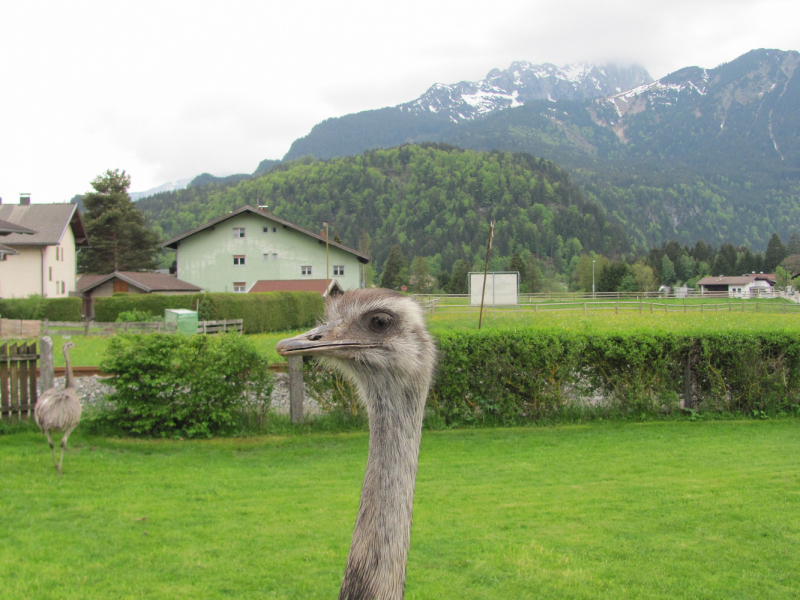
119 238
775 253
667 270
458 282
517 264
394 269
725 261
794 244
420 276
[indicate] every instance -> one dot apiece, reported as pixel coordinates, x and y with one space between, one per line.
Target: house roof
742 280
7 227
149 282
7 250
48 221
173 243
322 286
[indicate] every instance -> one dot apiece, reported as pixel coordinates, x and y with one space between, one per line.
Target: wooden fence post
4 368
690 391
46 364
86 330
296 389
584 309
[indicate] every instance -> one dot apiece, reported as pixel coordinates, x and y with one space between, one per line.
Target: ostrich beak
325 339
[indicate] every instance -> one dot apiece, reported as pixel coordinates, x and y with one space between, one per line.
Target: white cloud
168 90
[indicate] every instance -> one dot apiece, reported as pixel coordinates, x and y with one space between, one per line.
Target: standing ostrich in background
59 410
378 339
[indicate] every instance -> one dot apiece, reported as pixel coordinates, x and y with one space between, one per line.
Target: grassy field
89 351
668 510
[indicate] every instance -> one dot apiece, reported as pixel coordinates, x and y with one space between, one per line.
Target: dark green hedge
106 310
36 307
530 375
273 311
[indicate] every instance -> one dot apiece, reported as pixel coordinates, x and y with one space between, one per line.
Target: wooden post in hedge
46 363
296 389
690 387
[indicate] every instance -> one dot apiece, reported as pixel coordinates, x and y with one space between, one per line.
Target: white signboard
501 289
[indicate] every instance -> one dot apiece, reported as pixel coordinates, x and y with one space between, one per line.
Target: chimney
24 199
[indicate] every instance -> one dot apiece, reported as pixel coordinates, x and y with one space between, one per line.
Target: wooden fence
220 326
18 372
432 306
19 329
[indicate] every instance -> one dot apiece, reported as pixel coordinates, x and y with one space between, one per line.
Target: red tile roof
296 285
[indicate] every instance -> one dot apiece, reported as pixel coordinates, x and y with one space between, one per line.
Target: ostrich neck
376 565
68 370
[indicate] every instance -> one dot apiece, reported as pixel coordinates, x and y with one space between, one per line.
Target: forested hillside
702 154
433 200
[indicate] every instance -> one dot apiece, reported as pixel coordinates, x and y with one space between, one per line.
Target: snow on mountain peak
522 82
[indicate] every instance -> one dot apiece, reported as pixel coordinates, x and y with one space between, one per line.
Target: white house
43 262
746 286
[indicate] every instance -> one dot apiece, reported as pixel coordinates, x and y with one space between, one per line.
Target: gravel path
92 390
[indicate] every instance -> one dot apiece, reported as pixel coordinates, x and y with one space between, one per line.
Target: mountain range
707 154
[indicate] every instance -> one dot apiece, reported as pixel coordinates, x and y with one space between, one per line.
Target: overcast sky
170 89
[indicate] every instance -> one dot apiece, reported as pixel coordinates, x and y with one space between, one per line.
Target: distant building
746 286
43 262
249 245
90 287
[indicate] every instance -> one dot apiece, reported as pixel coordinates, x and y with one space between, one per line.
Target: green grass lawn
664 510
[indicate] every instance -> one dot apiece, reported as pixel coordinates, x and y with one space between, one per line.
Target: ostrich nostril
315 337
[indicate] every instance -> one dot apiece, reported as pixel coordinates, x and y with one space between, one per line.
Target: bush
137 316
183 386
514 377
270 311
108 309
36 307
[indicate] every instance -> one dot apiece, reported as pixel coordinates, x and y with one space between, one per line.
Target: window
50 269
56 252
274 230
62 287
338 269
305 270
238 232
266 256
274 257
239 287
266 229
238 260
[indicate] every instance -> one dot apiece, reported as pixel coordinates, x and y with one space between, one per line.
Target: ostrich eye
380 323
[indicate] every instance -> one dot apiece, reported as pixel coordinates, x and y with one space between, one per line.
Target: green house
233 252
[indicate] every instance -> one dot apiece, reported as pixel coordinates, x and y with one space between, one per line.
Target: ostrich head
378 339
375 337
66 347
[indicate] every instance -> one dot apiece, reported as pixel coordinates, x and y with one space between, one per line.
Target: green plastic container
186 319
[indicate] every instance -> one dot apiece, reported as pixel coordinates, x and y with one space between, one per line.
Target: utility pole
486 272
327 253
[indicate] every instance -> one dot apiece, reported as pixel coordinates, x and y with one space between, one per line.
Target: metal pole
486 272
327 253
593 296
